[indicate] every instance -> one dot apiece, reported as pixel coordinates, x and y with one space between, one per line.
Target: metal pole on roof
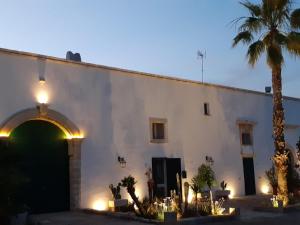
201 55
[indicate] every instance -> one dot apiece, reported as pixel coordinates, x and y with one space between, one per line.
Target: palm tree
271 28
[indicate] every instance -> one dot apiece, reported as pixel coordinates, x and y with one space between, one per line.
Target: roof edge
40 56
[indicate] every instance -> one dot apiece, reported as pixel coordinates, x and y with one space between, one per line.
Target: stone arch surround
73 136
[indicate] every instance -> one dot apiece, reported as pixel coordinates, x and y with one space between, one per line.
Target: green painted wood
43 158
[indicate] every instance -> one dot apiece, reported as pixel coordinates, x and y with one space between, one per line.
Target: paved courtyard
246 204
81 218
78 218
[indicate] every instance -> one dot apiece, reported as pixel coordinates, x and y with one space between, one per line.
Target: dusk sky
154 36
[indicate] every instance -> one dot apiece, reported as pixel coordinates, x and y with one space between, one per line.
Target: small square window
246 139
158 130
206 109
246 134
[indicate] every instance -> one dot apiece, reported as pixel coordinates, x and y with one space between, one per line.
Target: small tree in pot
223 193
117 204
115 191
206 175
196 186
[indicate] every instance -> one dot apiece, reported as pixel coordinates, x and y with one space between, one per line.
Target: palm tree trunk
280 158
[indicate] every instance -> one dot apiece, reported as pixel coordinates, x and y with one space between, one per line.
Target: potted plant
206 177
117 203
223 193
196 186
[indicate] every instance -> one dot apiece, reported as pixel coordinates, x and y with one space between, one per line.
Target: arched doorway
73 138
43 158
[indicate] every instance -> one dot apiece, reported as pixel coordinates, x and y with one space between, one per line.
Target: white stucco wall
112 108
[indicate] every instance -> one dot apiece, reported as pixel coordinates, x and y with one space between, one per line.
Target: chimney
73 56
268 89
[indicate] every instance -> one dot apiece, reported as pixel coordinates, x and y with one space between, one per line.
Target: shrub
206 176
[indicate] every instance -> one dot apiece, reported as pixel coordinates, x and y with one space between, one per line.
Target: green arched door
43 159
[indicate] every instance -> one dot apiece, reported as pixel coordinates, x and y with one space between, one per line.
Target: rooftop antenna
202 55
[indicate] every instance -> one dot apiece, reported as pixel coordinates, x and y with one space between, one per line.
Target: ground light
232 192
264 189
99 205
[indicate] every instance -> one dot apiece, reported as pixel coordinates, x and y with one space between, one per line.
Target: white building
108 114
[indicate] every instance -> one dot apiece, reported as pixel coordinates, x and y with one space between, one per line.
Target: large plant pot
222 194
117 205
170 217
19 219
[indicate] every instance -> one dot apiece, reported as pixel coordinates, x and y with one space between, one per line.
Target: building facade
118 122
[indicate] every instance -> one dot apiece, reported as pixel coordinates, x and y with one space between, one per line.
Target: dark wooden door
164 172
43 159
159 177
249 176
173 168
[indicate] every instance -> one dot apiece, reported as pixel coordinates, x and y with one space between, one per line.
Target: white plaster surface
112 108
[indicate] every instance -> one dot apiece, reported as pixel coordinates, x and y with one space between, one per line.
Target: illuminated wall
112 108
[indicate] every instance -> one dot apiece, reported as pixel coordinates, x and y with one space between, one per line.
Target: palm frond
244 36
282 5
293 43
254 10
267 10
295 19
280 38
254 52
253 24
277 38
274 56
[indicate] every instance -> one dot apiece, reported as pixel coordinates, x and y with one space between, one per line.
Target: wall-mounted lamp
42 79
209 160
122 161
42 97
42 109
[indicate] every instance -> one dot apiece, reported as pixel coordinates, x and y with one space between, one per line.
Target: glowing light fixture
232 192
4 134
99 205
231 210
264 189
42 97
190 196
75 136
